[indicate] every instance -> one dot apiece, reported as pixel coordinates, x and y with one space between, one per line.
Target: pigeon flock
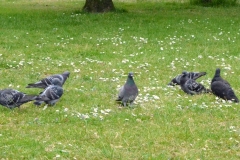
219 87
52 89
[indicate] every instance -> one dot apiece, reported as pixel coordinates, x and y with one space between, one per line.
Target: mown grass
156 41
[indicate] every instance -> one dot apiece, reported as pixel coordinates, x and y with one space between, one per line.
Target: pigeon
128 92
190 86
51 94
44 83
11 98
221 88
191 75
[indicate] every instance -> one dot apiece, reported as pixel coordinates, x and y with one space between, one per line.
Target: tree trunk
98 6
206 1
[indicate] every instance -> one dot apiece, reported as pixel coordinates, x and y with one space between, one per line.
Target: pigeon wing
45 82
50 93
120 94
190 75
192 87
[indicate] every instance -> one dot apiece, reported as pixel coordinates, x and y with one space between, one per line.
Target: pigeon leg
130 105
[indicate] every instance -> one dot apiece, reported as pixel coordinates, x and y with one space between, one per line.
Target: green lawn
156 41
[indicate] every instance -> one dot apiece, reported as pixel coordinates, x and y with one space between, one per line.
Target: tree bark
98 6
206 1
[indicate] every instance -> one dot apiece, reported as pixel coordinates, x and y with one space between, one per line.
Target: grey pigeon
128 92
221 88
44 83
190 86
190 75
51 94
11 98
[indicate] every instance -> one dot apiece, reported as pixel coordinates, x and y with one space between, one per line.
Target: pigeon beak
131 74
200 74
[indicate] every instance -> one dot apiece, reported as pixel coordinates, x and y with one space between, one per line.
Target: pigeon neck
217 75
130 80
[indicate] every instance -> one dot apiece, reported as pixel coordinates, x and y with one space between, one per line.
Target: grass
156 41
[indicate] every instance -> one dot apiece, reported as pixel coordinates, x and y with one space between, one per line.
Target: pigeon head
217 76
67 73
130 74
